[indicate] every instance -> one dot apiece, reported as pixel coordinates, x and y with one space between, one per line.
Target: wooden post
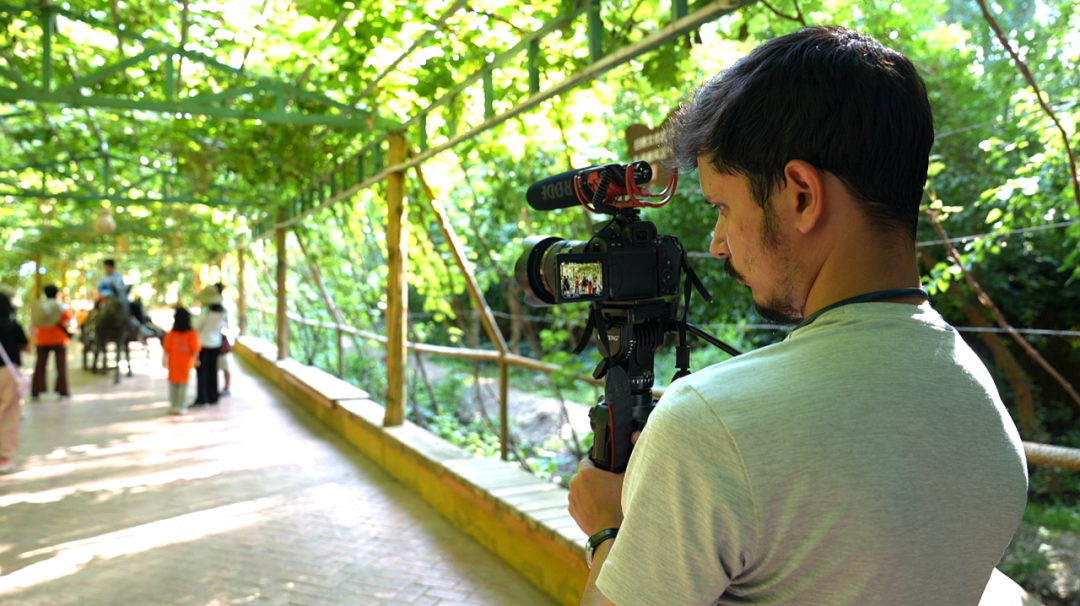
504 415
37 279
241 294
487 318
61 281
340 354
282 303
397 294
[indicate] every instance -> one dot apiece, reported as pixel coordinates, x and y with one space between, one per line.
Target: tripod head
628 337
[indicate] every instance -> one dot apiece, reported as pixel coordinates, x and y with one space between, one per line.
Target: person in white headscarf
209 324
226 347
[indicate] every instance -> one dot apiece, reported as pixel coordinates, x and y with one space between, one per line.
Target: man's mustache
730 270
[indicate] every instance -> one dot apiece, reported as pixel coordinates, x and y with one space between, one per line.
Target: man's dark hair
51 291
825 95
109 263
182 320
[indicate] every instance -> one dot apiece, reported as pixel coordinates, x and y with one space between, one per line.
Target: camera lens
529 270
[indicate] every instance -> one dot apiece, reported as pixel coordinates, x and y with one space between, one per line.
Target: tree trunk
516 312
1004 360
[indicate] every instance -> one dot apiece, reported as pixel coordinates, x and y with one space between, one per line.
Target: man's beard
778 311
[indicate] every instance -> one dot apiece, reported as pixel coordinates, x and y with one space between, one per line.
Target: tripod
628 337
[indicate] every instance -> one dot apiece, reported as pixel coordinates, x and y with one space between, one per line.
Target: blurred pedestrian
226 345
180 347
51 321
209 324
13 341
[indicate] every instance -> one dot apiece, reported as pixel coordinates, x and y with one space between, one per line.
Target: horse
140 329
108 323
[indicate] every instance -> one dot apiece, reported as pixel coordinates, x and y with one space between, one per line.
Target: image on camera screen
582 280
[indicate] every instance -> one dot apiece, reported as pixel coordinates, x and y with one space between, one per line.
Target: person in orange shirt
51 336
181 347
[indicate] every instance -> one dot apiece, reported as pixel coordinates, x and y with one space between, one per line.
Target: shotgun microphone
554 192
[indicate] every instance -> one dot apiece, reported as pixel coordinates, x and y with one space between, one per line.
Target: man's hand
596 497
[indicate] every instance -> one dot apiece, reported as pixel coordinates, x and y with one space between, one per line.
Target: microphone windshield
554 192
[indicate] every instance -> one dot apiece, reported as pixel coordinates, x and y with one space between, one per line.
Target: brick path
250 502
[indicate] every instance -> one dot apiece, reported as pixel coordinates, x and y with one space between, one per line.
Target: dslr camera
630 274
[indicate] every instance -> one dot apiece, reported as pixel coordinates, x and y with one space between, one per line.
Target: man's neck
858 267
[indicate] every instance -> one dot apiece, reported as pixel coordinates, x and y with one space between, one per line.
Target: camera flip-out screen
581 277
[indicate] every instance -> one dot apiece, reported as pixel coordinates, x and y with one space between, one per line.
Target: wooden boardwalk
248 502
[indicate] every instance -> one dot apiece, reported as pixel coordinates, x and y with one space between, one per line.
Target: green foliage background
998 166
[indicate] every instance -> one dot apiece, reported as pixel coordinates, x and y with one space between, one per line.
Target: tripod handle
613 423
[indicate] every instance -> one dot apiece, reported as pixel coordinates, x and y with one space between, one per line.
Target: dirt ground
1047 563
534 418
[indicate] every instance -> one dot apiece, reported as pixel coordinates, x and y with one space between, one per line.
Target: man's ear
805 192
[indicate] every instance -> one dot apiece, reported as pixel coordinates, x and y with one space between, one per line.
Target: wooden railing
503 359
1037 454
465 353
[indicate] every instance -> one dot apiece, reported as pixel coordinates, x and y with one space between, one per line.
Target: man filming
867 459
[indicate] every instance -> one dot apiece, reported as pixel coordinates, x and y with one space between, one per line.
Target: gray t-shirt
866 460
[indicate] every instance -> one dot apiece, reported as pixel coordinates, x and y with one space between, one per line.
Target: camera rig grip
612 423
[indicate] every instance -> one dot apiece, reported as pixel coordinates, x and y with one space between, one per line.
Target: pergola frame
151 177
333 186
79 93
367 168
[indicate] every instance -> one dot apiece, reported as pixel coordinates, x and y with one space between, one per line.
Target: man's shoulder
754 372
841 353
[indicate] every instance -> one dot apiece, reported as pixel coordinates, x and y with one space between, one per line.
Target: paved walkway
249 502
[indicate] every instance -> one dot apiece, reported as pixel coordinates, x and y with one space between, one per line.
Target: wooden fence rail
1037 454
464 353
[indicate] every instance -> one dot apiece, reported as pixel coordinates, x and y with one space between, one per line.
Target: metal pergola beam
422 40
527 43
118 198
671 31
70 93
213 196
187 107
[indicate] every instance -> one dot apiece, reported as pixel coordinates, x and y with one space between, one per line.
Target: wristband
595 541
